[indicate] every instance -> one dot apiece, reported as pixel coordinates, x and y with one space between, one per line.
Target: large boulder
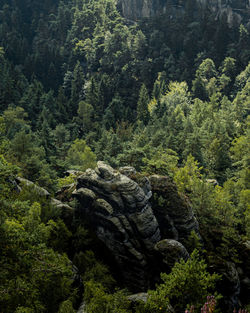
172 251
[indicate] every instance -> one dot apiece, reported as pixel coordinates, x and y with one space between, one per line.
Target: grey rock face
118 208
127 170
37 189
230 284
67 212
137 297
143 297
172 210
172 251
120 212
236 10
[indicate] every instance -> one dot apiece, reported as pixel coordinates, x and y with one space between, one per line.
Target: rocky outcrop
66 211
142 297
119 210
65 193
229 284
82 308
237 11
138 297
23 182
142 221
172 210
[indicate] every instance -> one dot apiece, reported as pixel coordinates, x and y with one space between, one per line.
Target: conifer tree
142 105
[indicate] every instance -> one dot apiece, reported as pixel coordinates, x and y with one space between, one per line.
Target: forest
79 84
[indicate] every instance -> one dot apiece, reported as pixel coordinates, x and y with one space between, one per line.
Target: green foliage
8 173
177 94
217 215
85 113
244 200
188 284
1 52
194 242
93 270
205 80
66 307
32 275
14 121
80 156
60 236
185 177
22 309
240 151
98 300
142 105
67 180
162 162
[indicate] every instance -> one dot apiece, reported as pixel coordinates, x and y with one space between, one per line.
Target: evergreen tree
142 105
80 156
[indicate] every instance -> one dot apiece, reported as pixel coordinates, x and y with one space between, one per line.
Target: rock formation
172 251
118 208
237 11
120 212
22 182
66 211
244 270
172 210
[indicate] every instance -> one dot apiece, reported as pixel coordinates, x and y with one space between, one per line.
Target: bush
188 284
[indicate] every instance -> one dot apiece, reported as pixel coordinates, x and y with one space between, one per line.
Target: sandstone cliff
237 11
